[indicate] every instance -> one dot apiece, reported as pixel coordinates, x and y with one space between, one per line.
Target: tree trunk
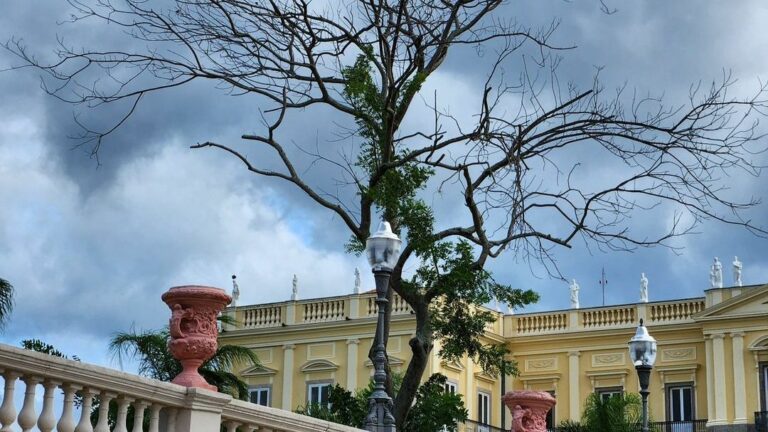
421 346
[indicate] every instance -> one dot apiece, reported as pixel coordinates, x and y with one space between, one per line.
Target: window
451 387
608 392
483 408
680 406
551 414
260 395
317 393
764 386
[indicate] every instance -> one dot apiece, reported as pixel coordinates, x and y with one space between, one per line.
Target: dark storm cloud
91 248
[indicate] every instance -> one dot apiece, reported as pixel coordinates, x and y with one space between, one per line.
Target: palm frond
230 356
150 349
6 301
228 319
226 382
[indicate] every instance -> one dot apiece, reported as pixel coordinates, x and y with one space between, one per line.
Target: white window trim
487 397
261 388
319 385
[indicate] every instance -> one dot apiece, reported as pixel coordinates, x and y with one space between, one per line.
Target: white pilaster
435 357
288 377
469 381
709 372
352 365
718 359
739 378
574 393
290 313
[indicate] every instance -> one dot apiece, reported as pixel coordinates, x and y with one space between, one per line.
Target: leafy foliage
435 409
460 285
39 346
618 413
150 348
6 301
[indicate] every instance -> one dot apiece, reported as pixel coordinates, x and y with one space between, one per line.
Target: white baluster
85 414
27 416
104 399
122 414
47 420
232 426
172 412
138 416
8 409
67 420
154 418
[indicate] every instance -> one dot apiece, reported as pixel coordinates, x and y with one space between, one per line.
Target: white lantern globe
642 347
383 248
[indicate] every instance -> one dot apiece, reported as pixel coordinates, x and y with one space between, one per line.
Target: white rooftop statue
357 281
643 288
716 274
235 291
737 266
295 293
574 294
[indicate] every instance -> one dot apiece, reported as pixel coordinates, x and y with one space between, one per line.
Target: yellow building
712 362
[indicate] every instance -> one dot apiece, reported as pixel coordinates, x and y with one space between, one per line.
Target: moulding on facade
318 366
607 378
552 379
678 354
541 364
608 360
687 371
258 371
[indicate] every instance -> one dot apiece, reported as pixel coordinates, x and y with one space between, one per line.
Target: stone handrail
399 306
169 407
609 317
324 311
675 311
598 318
542 323
268 316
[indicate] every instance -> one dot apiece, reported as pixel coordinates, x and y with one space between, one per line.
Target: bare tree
514 167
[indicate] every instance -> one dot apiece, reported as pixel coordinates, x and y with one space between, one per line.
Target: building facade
712 362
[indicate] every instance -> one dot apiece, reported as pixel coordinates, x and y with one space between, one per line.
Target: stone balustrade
609 317
622 316
267 316
675 311
542 323
399 306
167 407
321 310
324 310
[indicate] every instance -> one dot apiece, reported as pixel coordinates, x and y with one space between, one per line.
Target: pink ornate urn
529 409
194 333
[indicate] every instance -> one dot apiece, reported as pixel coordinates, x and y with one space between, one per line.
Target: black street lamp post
383 250
642 351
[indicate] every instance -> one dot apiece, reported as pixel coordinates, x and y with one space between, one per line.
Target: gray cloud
90 249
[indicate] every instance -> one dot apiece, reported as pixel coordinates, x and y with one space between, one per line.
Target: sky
91 245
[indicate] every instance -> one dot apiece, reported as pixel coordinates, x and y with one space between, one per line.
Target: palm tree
6 301
617 413
150 348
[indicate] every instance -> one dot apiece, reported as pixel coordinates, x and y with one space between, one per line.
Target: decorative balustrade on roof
607 317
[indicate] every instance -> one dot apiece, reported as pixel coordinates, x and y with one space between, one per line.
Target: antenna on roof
603 282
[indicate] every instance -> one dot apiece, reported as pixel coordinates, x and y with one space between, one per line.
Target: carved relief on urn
529 409
194 333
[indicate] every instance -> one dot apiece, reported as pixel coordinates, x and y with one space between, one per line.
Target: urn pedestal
194 333
529 409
